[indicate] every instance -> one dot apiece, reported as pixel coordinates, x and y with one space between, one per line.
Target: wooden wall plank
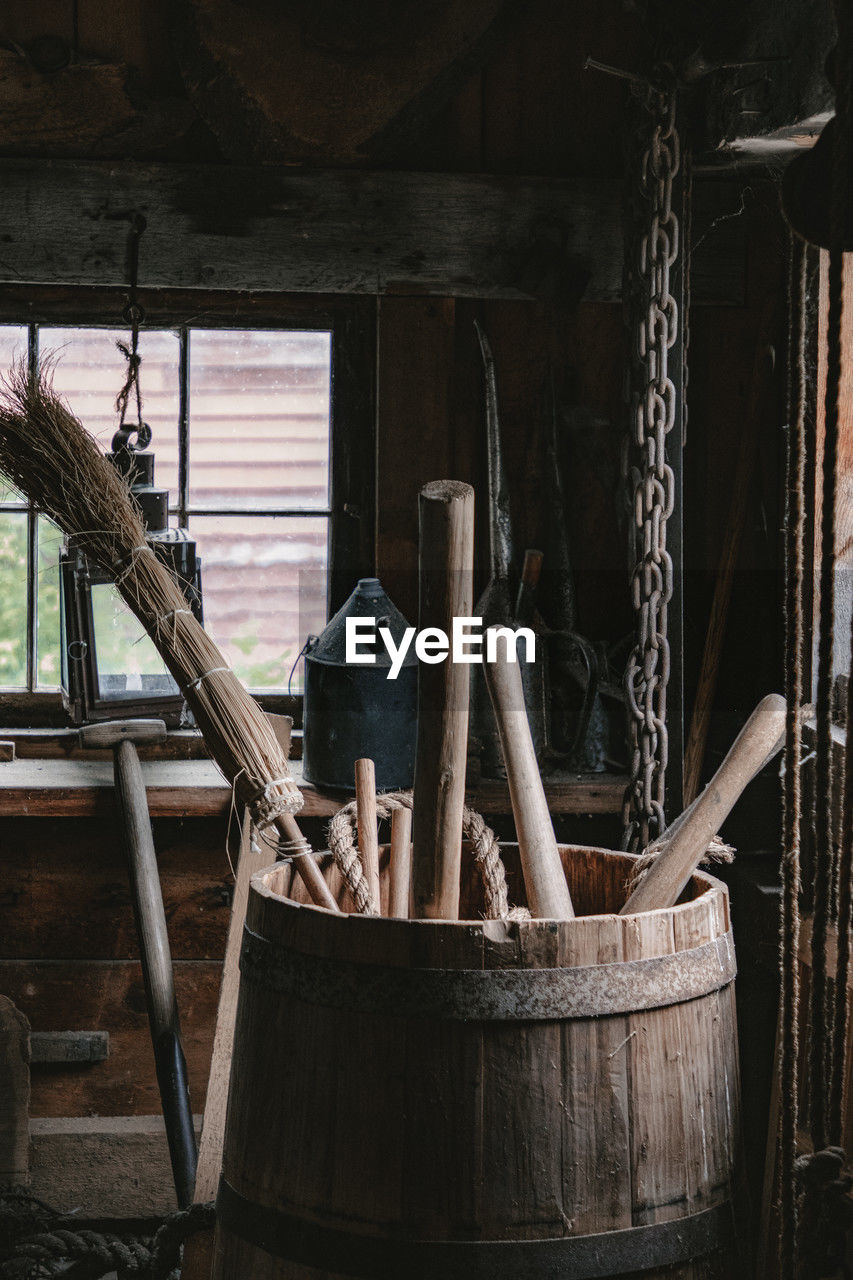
416 341
66 892
81 995
101 1167
23 21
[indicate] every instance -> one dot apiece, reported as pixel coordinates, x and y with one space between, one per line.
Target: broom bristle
48 455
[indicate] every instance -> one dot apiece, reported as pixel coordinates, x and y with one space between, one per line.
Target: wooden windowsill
195 788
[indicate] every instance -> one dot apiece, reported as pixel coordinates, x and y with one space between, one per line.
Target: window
256 446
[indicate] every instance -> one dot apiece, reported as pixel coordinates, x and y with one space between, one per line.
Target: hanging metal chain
654 320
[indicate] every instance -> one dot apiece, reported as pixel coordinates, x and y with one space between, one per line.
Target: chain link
653 316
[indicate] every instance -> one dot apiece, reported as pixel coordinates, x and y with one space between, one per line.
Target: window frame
351 510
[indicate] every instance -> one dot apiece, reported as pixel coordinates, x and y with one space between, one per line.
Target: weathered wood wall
68 947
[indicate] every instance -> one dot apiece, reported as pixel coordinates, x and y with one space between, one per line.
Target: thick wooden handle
547 892
758 741
400 868
446 590
368 839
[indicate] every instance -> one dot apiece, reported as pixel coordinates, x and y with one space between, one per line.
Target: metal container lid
367 601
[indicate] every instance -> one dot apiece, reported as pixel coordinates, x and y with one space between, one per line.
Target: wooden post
368 839
446 563
758 741
547 892
400 866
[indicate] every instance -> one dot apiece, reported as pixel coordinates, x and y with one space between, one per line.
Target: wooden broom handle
446 589
368 838
287 826
758 741
547 892
305 865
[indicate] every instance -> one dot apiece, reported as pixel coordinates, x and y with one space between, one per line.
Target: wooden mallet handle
400 868
547 892
758 741
368 839
446 589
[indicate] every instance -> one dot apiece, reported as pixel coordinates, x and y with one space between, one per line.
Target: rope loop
484 846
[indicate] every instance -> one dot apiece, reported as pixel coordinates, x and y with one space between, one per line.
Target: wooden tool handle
547 892
311 875
446 590
758 741
287 826
400 870
368 838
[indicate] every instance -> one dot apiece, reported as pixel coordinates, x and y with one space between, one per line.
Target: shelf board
195 788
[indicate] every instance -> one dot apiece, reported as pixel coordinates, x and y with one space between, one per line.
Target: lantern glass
110 666
127 663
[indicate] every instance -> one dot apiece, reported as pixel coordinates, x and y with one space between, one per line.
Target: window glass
90 372
13 599
47 620
259 419
258 441
128 663
264 590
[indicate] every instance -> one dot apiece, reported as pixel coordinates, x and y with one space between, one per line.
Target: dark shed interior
245 178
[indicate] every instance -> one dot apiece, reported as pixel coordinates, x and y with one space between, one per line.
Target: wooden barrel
456 1101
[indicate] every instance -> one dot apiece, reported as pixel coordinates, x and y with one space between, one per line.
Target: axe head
110 733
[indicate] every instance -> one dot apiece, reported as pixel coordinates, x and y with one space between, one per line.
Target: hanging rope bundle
48 455
813 1186
792 801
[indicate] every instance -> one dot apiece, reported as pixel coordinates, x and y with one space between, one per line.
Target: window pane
13 347
259 419
91 371
128 663
47 664
264 584
13 599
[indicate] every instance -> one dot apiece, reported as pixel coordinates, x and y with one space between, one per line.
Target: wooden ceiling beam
325 231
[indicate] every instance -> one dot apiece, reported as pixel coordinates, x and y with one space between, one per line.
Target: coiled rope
484 848
37 1243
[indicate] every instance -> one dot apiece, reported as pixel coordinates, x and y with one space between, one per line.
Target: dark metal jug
353 710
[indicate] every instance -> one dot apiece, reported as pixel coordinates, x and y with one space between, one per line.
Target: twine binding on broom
47 454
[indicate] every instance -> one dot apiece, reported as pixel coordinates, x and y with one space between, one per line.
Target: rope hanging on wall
812 1235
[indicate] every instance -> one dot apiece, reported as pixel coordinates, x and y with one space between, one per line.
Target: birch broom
47 454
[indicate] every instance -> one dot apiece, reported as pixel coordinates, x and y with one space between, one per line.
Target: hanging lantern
110 666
